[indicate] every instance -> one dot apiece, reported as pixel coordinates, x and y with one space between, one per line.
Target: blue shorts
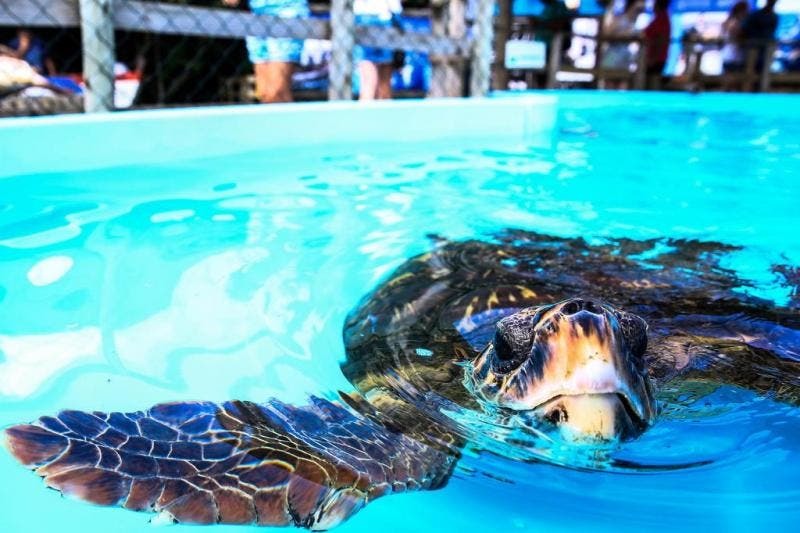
376 55
371 53
262 50
273 49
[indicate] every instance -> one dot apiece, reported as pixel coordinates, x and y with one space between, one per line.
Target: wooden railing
636 77
752 76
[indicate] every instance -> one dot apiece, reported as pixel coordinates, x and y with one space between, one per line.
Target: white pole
97 29
483 33
343 42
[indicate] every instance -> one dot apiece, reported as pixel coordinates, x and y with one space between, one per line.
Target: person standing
274 59
759 28
620 28
554 18
657 35
375 64
732 57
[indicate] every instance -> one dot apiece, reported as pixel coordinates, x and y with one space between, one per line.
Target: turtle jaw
592 417
626 396
595 404
572 365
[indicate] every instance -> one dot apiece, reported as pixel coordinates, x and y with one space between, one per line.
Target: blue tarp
591 7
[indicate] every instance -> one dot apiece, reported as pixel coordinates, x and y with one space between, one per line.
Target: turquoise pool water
230 277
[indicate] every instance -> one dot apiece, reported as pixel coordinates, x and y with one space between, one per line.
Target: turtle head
576 366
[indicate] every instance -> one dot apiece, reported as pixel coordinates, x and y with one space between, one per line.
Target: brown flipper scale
233 463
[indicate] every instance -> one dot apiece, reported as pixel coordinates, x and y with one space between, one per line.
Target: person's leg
273 64
655 71
731 76
368 80
274 81
384 91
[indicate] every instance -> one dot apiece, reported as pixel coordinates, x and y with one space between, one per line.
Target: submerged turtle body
583 339
439 310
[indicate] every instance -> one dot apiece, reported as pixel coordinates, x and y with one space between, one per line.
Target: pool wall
771 104
80 142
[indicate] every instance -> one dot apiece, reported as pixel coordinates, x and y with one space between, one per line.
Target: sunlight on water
231 278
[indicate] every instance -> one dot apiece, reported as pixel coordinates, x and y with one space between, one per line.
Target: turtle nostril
592 307
575 306
502 349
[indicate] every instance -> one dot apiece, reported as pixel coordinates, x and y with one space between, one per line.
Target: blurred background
76 55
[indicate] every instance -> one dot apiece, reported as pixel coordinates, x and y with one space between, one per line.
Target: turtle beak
579 376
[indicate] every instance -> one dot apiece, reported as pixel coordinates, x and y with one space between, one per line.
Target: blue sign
533 8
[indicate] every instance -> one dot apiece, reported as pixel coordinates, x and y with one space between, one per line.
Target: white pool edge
83 142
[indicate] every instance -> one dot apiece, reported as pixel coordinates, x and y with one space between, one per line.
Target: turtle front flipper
236 462
758 353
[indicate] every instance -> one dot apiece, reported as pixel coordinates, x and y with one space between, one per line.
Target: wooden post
554 59
343 42
483 35
769 53
503 33
600 51
751 56
640 76
97 30
438 87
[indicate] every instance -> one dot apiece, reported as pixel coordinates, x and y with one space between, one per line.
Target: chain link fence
99 55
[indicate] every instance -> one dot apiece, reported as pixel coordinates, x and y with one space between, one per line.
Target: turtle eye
634 331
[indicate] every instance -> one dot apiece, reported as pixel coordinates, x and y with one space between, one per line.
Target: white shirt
383 9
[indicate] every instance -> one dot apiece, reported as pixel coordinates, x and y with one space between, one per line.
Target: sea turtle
582 343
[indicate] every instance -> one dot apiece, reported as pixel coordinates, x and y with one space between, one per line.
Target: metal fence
101 55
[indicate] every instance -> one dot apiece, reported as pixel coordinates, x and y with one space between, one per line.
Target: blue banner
533 8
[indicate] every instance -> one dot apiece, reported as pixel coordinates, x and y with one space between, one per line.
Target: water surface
231 277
